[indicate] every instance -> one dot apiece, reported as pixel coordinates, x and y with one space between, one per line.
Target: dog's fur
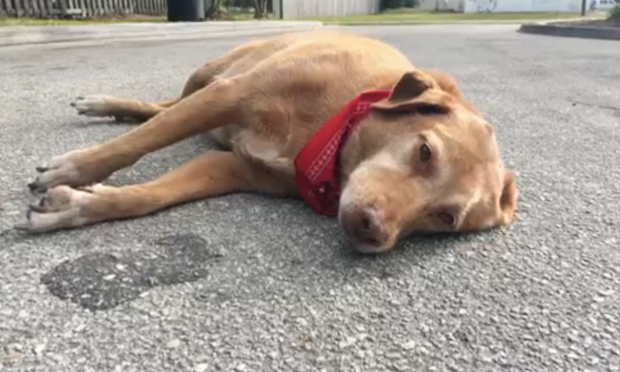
424 160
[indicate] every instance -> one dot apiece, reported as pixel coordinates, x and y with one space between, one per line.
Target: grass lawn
413 16
73 22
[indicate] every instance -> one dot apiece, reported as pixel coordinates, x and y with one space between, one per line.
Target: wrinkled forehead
469 139
471 156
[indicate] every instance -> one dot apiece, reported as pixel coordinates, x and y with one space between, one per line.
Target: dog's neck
320 165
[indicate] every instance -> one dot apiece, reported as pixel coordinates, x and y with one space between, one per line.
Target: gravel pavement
248 283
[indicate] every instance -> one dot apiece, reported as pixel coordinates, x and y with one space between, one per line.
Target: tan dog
420 160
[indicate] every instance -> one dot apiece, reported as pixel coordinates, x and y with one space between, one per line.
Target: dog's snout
364 226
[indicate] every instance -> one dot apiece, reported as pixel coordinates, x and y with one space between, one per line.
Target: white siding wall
602 4
473 6
294 9
452 5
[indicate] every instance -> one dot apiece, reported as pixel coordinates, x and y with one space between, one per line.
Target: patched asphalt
251 283
101 281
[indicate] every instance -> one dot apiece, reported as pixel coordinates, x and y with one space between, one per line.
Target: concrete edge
443 22
25 35
564 29
145 39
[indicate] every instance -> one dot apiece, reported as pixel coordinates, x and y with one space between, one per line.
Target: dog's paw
61 170
59 208
92 105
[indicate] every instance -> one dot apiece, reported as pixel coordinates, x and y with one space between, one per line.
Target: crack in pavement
616 110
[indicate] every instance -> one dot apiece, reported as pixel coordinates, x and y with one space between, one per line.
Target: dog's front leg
206 109
214 173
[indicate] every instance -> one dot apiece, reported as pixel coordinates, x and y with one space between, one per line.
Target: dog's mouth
367 248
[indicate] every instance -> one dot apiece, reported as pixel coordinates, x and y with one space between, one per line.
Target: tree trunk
260 9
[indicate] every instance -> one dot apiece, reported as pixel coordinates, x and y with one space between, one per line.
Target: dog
344 122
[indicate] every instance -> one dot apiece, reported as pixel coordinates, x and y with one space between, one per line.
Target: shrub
614 13
395 4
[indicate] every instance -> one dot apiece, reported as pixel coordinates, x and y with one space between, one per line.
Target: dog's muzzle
365 228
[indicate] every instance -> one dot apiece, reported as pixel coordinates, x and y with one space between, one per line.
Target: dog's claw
60 170
92 105
33 186
37 208
55 210
87 189
23 226
37 187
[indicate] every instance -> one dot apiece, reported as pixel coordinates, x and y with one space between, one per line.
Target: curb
564 29
24 35
440 22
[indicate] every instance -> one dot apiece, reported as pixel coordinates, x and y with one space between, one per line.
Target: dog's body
422 160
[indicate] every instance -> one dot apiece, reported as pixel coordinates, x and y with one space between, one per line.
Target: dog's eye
425 153
446 218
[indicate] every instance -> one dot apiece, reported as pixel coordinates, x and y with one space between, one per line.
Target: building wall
294 9
600 4
442 5
477 6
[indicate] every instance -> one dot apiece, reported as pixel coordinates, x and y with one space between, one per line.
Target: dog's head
423 161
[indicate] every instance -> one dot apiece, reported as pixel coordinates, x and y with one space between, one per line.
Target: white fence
293 9
84 8
481 6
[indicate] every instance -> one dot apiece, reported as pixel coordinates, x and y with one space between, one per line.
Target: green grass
74 22
413 16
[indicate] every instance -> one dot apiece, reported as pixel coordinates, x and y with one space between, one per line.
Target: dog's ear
415 92
446 82
411 85
508 199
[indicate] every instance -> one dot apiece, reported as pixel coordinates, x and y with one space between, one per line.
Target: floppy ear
446 82
415 92
508 200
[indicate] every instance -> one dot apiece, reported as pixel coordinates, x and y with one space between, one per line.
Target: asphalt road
247 283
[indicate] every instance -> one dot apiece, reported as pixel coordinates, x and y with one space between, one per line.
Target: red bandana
315 165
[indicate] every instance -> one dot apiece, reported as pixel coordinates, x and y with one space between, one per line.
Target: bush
614 13
240 3
395 4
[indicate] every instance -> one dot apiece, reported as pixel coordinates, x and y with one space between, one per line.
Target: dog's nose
364 226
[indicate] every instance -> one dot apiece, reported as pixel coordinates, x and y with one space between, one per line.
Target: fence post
41 4
35 8
19 9
583 8
27 10
85 5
